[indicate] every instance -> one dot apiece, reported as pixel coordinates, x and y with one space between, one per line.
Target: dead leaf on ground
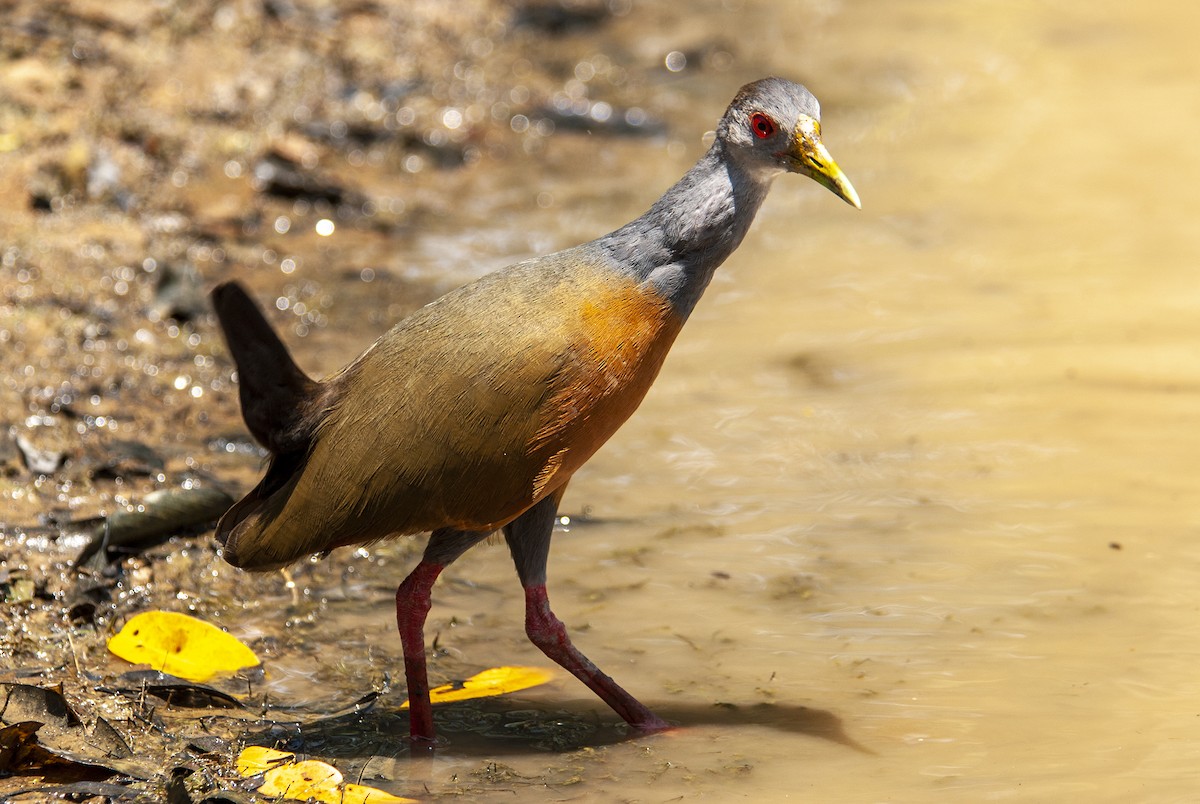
41 735
181 646
192 696
493 681
307 780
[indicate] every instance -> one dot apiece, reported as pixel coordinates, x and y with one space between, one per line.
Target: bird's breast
618 340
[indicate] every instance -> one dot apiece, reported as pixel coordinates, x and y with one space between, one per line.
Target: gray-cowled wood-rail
471 415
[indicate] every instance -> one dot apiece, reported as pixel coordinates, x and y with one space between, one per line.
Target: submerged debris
162 514
279 175
178 293
40 461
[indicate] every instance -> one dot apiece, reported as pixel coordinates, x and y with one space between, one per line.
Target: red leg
412 607
548 633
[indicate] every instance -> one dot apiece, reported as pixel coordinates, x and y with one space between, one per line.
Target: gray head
773 126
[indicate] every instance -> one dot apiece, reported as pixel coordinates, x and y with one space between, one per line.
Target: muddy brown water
911 513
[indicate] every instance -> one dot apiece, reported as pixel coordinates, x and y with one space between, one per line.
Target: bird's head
774 125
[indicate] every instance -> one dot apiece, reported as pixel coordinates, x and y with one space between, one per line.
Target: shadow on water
507 727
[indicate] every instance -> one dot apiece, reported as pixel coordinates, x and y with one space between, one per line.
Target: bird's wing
466 413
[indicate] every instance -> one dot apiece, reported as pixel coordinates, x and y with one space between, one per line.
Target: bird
471 415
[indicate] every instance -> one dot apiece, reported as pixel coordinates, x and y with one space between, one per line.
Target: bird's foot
652 725
421 745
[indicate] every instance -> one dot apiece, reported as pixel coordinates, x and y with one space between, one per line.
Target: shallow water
910 513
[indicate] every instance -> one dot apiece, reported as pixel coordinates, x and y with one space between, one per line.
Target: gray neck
678 244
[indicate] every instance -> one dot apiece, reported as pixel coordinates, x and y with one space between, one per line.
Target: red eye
761 125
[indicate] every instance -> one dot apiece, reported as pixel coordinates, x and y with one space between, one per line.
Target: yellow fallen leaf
308 780
361 794
494 681
180 645
255 759
303 780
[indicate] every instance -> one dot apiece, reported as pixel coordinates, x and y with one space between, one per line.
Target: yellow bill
810 157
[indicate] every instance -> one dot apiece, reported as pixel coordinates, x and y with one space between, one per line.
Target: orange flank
624 333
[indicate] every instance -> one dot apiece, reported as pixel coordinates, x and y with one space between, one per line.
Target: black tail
275 393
